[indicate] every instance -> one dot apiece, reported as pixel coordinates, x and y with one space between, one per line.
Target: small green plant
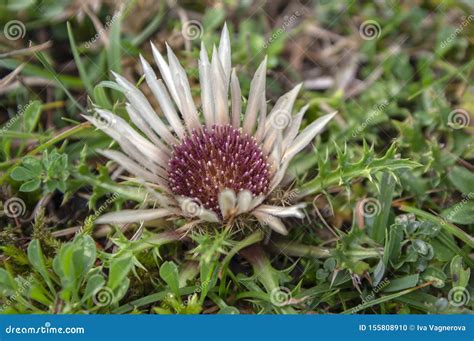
51 172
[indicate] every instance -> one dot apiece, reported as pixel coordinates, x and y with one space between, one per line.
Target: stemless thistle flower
213 171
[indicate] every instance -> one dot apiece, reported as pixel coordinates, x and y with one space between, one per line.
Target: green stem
301 250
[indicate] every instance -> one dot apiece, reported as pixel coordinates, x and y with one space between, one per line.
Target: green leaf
206 276
22 174
85 255
30 186
31 116
402 283
228 310
72 262
114 56
393 244
169 273
452 229
462 179
459 275
213 18
36 258
7 284
100 98
461 213
437 276
94 283
64 267
37 292
33 165
379 271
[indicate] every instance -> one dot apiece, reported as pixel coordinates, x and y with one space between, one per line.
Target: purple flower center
210 161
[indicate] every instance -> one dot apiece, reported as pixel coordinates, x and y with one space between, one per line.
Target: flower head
211 167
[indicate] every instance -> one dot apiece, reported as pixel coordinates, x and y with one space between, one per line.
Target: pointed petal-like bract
307 135
227 201
244 200
207 98
145 128
294 128
161 95
131 166
133 216
143 107
219 90
188 108
280 117
225 54
166 74
279 211
236 99
257 92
